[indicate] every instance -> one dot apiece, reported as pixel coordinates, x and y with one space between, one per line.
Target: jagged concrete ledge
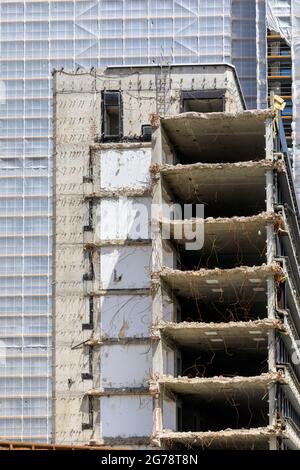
116 193
120 391
207 387
214 227
256 115
193 283
119 145
261 218
102 292
221 439
117 242
264 270
236 167
200 181
239 335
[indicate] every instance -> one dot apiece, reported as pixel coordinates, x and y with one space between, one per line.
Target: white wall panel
125 267
125 366
123 218
126 416
125 316
125 168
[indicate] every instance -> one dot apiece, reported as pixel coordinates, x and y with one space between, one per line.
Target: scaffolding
36 37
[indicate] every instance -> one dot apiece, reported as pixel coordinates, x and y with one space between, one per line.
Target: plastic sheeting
36 37
279 18
284 18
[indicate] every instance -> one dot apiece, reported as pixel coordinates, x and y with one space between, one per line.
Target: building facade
35 37
159 343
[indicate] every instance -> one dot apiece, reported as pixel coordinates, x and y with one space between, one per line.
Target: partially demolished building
159 343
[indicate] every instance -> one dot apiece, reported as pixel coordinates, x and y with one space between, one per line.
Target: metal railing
286 410
283 357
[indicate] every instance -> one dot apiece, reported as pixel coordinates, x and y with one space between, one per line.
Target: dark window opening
203 101
89 276
89 177
90 324
112 128
89 375
146 133
89 424
89 227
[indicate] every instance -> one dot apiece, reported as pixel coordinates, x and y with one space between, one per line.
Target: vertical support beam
269 139
157 263
273 443
76 124
157 413
269 190
157 246
271 288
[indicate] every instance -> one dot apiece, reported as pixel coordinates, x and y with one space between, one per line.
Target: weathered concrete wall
138 87
76 123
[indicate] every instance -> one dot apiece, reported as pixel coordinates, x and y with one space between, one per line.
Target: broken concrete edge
208 436
259 219
281 376
257 114
91 246
115 193
96 341
264 324
119 145
102 292
101 392
20 445
266 164
265 379
172 386
133 442
273 269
